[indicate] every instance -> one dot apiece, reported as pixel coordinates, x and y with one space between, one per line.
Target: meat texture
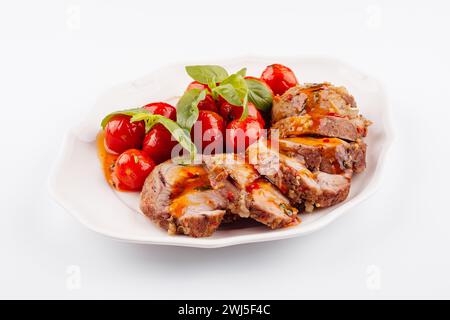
249 195
318 109
304 188
330 155
180 199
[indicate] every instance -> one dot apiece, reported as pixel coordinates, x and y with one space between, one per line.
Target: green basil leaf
140 116
207 73
239 84
237 81
128 112
187 110
259 95
212 84
229 93
233 89
242 72
245 106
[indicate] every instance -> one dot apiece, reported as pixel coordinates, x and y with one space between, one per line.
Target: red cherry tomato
207 132
208 104
241 134
121 134
220 101
279 78
163 109
131 169
231 112
197 85
158 144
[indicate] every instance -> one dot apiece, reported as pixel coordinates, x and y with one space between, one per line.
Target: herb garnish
234 88
286 209
203 188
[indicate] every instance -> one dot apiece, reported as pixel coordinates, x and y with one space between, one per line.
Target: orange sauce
313 100
315 109
315 120
178 206
107 159
311 141
192 178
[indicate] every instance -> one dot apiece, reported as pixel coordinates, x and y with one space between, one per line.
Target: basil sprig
187 110
207 74
234 88
242 72
127 112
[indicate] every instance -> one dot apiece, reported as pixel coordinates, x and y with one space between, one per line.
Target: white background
58 56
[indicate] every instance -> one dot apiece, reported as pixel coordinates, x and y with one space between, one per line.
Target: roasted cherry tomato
279 78
207 132
121 134
163 109
220 101
241 134
131 169
197 85
158 144
208 104
231 112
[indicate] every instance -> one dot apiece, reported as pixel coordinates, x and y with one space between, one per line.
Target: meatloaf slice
322 125
249 195
318 98
305 188
330 155
318 109
180 199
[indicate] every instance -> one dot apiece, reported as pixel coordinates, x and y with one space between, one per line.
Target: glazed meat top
319 99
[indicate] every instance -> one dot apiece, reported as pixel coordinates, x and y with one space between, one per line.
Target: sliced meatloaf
318 109
180 199
330 155
249 195
322 125
305 188
322 98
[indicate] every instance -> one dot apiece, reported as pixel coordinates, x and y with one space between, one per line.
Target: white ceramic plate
78 185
